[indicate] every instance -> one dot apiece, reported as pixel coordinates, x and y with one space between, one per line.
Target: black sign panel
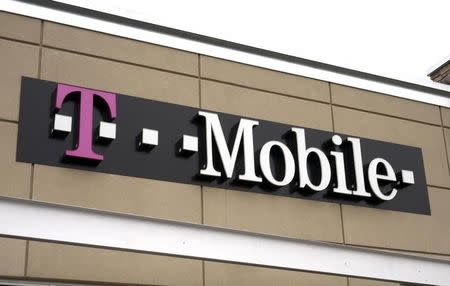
44 139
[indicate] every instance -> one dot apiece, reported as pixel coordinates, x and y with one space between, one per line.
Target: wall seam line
438 187
119 61
9 121
27 244
387 115
340 205
19 41
202 201
40 50
445 140
264 90
404 251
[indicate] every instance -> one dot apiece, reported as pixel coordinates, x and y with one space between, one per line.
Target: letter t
84 146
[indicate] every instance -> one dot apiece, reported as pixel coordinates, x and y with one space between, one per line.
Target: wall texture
61 53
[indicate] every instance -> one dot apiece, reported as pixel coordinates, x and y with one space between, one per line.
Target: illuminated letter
303 154
374 177
358 167
289 163
244 133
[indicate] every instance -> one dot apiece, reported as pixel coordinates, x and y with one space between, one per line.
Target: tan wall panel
445 116
381 103
265 79
14 176
103 45
264 105
222 274
427 137
118 193
398 230
57 261
365 282
447 142
118 77
270 214
17 60
12 257
20 28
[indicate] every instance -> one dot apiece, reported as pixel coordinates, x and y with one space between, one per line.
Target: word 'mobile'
75 127
244 137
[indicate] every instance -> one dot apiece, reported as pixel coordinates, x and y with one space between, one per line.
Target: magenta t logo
84 147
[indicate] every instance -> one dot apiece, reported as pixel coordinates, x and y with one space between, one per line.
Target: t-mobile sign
77 127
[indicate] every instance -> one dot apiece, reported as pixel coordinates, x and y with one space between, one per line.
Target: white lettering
341 185
289 163
374 176
358 167
244 134
303 154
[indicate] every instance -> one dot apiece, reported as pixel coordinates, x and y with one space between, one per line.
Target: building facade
47 50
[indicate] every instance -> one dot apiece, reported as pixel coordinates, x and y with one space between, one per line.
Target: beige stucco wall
60 53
